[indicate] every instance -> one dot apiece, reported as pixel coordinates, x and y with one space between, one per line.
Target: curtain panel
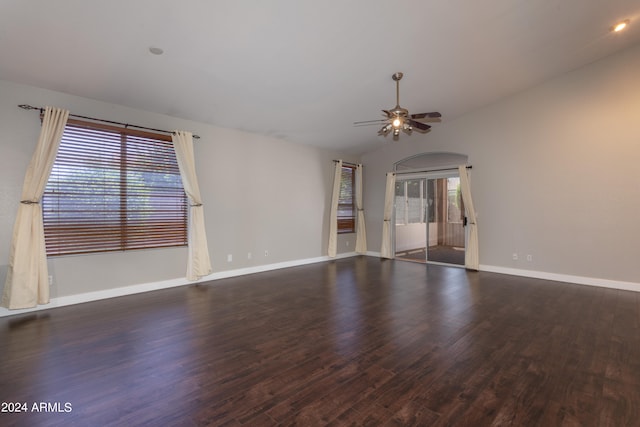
198 262
386 250
361 232
27 282
333 215
471 258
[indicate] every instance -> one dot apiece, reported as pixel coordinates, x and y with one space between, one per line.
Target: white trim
556 277
567 278
154 286
434 174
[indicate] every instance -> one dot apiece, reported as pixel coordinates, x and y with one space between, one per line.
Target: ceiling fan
398 119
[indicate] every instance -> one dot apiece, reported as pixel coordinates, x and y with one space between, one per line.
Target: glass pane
454 196
400 203
414 201
431 200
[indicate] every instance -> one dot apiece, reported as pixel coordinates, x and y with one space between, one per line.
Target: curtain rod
347 163
126 125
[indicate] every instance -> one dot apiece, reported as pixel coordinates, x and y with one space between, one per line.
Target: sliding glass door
429 218
411 219
446 225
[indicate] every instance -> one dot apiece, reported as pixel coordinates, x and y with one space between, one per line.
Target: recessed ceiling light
620 26
156 50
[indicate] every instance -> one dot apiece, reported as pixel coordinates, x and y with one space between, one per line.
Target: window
411 204
113 189
455 207
416 201
346 201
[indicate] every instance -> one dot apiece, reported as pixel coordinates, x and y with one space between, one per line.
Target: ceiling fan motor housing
398 111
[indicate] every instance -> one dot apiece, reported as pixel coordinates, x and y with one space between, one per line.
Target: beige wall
251 204
556 172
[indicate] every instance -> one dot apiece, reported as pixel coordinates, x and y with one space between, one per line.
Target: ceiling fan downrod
397 77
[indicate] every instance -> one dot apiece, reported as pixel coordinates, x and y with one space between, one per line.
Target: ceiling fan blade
388 113
370 122
433 115
418 125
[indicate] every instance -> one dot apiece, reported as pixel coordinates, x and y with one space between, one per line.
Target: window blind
113 189
346 201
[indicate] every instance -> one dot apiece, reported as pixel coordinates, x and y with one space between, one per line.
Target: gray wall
251 204
555 175
556 172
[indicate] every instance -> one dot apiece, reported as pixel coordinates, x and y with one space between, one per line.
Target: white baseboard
567 278
154 286
556 277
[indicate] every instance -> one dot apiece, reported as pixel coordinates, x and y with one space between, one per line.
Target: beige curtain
386 251
198 263
361 233
27 283
333 215
471 258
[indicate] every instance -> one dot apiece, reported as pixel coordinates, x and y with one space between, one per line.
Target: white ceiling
301 70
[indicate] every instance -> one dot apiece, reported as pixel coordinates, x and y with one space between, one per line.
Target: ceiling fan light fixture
385 130
620 26
398 119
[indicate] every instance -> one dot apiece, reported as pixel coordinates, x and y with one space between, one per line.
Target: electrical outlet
249 255
266 253
515 256
50 280
347 243
229 258
529 258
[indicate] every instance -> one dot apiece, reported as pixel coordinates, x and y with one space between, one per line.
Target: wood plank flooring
353 342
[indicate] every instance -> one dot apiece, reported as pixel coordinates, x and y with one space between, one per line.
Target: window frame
347 223
160 229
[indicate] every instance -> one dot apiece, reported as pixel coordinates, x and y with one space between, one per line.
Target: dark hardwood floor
358 341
